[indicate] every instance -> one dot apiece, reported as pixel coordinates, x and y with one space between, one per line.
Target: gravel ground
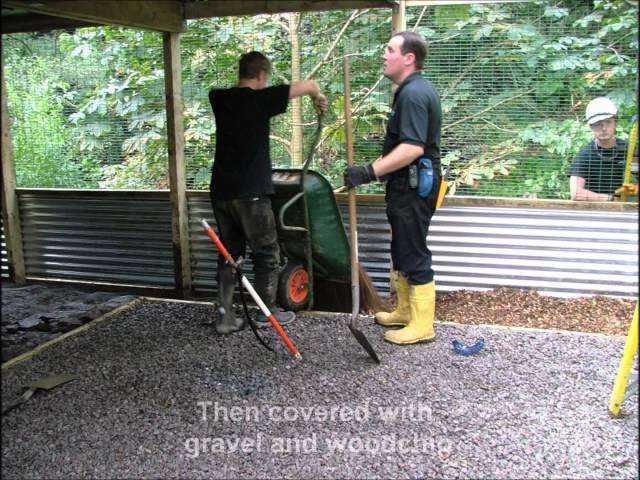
39 312
532 404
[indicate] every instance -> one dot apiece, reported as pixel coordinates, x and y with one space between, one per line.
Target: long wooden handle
353 232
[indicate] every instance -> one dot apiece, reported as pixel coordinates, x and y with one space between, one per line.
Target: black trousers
410 216
250 221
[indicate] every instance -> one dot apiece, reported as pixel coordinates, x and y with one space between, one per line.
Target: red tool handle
212 235
216 240
292 348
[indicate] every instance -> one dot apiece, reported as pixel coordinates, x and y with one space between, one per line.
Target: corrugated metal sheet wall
554 251
558 252
203 251
98 237
124 237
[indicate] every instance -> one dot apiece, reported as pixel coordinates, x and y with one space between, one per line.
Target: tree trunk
296 103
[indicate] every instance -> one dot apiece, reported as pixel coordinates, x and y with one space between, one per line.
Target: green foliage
88 107
37 115
550 58
468 167
119 111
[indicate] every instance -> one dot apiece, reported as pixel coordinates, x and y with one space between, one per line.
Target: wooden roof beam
157 15
38 23
223 8
433 3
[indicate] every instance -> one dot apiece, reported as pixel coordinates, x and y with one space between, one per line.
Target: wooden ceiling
157 15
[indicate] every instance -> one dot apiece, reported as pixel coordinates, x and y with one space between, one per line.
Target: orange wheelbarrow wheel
293 287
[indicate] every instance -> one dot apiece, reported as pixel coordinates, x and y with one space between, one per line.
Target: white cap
600 108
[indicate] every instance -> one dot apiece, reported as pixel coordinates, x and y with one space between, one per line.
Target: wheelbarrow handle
286 207
313 146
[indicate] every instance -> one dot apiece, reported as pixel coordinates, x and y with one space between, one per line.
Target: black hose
314 144
250 320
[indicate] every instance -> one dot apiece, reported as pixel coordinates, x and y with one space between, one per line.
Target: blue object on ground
462 349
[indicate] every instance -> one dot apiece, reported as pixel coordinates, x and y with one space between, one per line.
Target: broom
370 299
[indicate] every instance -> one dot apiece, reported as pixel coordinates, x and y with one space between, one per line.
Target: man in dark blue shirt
241 183
411 146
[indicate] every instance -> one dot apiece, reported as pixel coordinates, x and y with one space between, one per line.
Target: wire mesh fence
88 111
87 108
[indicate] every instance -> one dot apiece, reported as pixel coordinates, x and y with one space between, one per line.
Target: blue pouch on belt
425 177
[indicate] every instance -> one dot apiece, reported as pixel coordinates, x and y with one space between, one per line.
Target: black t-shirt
415 118
602 168
242 166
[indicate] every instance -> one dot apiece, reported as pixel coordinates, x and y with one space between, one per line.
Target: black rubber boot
266 285
226 321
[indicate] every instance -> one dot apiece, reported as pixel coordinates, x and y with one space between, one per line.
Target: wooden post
177 182
398 17
398 24
10 210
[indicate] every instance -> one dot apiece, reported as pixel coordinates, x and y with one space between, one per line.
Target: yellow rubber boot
422 303
401 315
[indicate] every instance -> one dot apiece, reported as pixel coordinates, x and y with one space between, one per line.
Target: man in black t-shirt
598 168
241 183
413 134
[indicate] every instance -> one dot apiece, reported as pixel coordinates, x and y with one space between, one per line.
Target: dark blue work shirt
416 117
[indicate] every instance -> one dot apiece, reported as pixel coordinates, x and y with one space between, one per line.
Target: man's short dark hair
416 44
252 63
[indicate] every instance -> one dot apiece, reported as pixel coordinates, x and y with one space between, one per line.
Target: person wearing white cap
598 168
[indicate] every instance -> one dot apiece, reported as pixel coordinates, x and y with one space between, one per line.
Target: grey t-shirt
602 168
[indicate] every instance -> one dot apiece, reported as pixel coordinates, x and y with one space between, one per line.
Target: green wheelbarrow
313 240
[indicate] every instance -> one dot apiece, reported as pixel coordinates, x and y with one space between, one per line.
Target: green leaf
556 12
569 62
483 31
517 33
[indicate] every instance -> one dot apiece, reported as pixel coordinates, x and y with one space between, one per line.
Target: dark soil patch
34 314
